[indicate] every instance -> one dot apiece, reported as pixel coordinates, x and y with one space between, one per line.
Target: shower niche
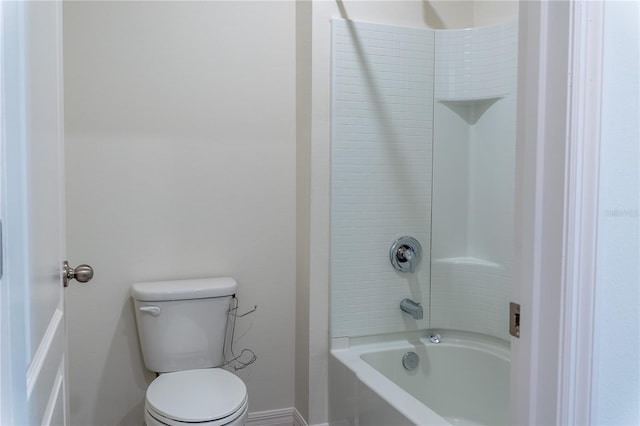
423 144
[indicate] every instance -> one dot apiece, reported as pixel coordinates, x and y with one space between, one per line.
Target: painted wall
180 140
616 377
303 202
492 12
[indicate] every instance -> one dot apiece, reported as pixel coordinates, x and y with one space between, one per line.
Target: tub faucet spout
412 308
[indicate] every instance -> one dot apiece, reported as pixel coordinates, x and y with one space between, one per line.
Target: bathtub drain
410 360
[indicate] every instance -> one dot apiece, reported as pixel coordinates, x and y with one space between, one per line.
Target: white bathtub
464 380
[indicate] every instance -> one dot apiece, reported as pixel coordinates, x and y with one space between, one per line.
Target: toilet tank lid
183 289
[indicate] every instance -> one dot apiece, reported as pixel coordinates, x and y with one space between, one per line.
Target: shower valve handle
405 254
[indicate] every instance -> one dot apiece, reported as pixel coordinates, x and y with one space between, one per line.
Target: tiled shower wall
383 109
381 173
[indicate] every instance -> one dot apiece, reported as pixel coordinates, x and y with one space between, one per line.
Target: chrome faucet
412 308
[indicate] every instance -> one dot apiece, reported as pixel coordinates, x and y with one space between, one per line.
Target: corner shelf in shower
470 109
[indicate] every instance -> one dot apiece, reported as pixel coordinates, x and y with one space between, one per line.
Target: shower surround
423 145
394 173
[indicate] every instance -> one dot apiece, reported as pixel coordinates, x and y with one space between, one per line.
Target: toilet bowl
208 397
182 325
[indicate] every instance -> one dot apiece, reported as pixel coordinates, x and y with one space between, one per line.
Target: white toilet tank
182 324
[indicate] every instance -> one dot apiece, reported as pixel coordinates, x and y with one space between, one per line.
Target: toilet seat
239 418
208 397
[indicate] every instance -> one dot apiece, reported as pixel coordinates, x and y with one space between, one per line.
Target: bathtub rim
350 352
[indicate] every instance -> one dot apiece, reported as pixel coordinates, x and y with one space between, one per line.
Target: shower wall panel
474 157
476 63
381 173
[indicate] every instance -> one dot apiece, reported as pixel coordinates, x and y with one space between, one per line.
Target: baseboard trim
280 417
298 420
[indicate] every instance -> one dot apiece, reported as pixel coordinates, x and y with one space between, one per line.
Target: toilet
182 329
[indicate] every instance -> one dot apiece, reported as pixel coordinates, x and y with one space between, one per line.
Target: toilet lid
197 395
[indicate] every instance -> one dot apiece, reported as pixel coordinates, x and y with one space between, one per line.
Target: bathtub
464 380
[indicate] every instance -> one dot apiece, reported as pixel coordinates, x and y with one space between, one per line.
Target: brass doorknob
81 273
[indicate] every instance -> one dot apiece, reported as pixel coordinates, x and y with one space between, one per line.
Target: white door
33 355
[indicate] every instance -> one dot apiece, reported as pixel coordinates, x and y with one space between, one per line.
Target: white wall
493 12
616 379
180 127
303 201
